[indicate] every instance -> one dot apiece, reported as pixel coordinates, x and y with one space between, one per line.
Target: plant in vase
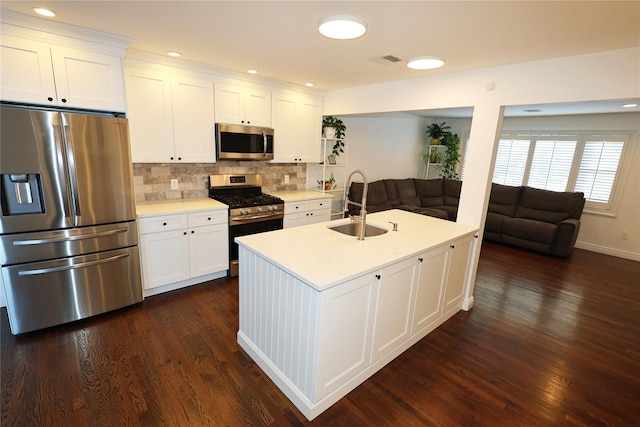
334 128
437 132
327 184
451 156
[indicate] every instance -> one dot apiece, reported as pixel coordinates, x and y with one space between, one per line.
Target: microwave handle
264 144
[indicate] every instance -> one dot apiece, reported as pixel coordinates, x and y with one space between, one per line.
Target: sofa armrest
566 237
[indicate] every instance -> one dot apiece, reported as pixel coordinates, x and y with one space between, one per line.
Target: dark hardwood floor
548 342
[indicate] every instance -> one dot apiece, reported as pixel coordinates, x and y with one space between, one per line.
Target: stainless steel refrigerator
69 247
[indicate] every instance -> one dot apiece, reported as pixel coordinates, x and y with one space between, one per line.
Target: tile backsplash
152 181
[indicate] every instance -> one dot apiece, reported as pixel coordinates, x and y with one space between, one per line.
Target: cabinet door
193 120
295 219
229 104
309 129
428 301
208 251
283 120
88 79
457 276
393 307
150 116
346 322
165 258
27 71
258 107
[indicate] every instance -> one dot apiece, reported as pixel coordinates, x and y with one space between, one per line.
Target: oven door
244 229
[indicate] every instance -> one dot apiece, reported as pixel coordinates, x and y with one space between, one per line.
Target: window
586 163
598 169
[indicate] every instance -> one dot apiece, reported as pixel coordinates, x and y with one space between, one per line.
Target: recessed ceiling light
309 84
425 63
630 105
252 71
342 27
174 54
44 12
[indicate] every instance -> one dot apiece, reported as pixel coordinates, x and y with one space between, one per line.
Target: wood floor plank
549 341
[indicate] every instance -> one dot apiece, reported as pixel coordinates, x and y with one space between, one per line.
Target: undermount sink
353 228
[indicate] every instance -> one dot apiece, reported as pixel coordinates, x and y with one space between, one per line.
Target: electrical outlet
174 184
286 179
624 235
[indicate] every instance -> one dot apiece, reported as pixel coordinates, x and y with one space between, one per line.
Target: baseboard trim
608 251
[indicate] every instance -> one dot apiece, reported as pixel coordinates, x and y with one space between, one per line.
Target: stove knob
270 208
260 209
243 211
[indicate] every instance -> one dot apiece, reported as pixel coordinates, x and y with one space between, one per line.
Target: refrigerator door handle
69 238
71 267
71 165
62 166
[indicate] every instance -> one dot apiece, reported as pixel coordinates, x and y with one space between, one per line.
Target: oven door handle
254 217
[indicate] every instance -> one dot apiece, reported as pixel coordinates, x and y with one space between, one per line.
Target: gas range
243 194
250 210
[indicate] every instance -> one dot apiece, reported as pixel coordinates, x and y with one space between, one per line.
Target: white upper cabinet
41 73
241 105
193 119
297 121
171 117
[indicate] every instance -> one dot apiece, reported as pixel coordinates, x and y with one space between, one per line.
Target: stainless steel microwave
239 142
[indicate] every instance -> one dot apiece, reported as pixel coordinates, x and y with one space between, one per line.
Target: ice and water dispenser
21 194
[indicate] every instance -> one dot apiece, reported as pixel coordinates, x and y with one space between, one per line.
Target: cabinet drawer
294 207
199 219
162 223
319 205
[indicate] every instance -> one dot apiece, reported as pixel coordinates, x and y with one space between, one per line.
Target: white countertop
323 258
177 206
300 195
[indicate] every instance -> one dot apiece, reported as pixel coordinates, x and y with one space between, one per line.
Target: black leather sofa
539 220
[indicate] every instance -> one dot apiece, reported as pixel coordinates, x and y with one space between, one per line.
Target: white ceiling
280 38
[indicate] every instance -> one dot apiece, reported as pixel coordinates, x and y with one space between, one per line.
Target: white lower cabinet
306 212
429 286
458 269
393 307
183 246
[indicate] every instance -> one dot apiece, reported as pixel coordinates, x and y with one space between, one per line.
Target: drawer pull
164 224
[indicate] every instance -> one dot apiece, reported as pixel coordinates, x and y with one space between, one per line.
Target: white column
476 188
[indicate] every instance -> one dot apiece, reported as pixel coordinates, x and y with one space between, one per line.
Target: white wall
385 147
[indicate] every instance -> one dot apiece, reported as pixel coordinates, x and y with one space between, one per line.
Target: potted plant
437 132
451 156
334 128
327 184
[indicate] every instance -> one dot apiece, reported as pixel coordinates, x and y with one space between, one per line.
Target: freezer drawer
48 293
43 245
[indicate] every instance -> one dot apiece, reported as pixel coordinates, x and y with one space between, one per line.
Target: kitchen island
320 311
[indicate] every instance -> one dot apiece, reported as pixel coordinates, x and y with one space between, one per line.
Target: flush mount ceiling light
44 12
342 27
630 105
425 63
174 54
252 71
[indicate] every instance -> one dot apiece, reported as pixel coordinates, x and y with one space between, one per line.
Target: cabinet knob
171 158
378 276
185 233
164 223
420 259
209 219
179 158
453 246
64 100
49 99
192 232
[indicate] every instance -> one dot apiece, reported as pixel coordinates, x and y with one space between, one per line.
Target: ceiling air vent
386 59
